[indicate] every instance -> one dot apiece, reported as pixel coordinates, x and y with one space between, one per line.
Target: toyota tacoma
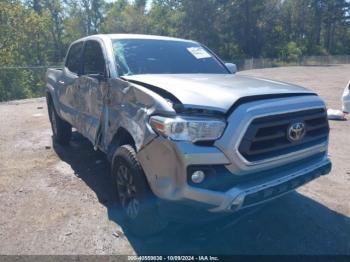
182 129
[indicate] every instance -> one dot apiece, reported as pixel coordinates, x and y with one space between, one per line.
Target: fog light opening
198 176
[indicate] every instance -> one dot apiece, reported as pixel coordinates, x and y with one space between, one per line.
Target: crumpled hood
215 91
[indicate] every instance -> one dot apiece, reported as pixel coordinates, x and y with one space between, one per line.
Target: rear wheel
62 130
136 199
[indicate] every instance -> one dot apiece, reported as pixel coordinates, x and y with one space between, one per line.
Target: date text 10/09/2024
173 258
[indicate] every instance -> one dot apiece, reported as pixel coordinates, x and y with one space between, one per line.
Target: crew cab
180 127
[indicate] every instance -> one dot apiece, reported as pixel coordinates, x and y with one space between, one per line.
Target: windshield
148 56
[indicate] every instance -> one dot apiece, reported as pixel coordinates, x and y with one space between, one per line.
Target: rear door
92 87
68 91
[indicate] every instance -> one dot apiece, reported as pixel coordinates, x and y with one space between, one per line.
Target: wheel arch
120 138
51 99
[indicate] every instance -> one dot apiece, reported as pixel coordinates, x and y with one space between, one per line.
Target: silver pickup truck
181 129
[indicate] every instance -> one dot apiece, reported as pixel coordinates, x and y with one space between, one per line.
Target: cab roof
134 36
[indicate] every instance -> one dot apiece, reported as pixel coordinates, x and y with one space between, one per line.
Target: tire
61 130
138 203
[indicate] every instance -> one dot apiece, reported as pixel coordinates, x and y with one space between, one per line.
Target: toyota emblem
296 132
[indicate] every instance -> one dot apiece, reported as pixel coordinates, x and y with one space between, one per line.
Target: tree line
38 32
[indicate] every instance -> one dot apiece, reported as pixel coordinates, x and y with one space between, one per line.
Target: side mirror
231 67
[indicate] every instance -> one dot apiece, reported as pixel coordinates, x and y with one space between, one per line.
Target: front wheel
136 199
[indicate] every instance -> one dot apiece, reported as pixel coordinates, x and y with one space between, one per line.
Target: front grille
266 137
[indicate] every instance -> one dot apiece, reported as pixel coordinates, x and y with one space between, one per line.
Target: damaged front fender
129 106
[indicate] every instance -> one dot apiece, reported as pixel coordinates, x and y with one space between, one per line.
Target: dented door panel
91 105
69 98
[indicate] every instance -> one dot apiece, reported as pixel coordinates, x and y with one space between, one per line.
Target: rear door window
73 59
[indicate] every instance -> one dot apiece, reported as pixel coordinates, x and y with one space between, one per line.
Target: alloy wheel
127 191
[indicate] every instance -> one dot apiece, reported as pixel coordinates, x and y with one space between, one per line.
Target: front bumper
166 165
258 192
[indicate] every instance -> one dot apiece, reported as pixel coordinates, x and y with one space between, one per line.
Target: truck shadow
294 224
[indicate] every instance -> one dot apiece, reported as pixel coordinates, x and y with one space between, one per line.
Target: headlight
188 129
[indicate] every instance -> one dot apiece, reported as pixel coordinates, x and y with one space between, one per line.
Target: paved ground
56 200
